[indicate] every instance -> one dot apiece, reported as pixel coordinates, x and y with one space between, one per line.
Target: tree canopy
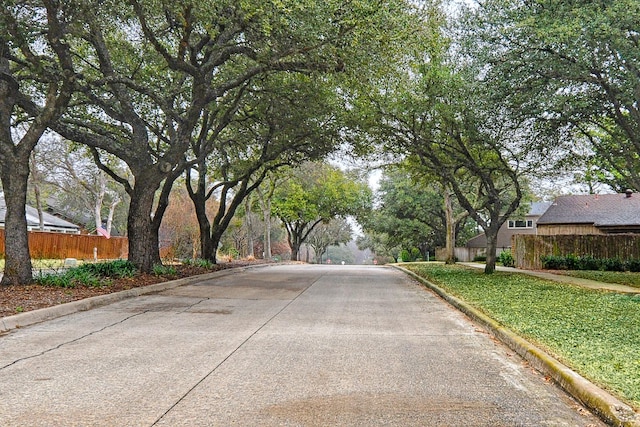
315 193
573 68
142 80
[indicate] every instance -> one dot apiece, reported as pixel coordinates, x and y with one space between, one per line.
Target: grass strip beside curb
608 407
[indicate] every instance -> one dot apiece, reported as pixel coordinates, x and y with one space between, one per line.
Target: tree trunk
266 212
450 256
112 209
295 250
249 223
17 269
14 173
207 248
35 182
99 198
491 234
144 248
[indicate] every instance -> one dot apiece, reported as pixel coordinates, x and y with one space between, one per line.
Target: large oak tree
153 69
36 81
573 67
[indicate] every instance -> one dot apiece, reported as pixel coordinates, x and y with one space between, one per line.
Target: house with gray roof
592 214
478 245
51 223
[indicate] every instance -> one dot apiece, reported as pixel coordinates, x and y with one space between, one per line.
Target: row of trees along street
216 89
477 105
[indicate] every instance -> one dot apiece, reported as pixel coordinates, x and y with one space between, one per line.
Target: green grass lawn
596 333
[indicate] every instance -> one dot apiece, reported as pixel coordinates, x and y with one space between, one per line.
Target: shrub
633 265
199 262
54 280
91 275
506 259
614 264
479 258
415 254
553 262
572 262
405 256
118 268
162 270
589 262
69 279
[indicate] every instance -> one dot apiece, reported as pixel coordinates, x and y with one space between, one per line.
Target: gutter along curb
603 404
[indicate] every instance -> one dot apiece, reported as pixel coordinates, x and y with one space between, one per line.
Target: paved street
285 345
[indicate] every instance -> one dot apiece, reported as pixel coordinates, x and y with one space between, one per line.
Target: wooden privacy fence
44 245
527 249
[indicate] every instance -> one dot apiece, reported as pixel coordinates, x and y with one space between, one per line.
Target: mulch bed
16 299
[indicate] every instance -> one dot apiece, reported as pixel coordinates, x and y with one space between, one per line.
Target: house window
521 223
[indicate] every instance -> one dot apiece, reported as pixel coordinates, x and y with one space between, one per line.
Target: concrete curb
36 316
603 404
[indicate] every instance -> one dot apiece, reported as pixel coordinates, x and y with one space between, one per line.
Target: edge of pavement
36 316
609 408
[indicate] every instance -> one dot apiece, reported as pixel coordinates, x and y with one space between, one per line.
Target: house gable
592 214
513 226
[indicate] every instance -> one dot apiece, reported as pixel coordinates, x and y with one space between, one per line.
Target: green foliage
410 213
588 262
506 259
316 193
118 268
633 265
69 279
405 256
88 274
574 65
595 333
164 270
553 262
199 262
479 258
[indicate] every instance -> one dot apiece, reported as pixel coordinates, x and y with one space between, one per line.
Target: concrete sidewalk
585 283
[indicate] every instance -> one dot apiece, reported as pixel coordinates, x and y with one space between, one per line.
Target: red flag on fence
101 231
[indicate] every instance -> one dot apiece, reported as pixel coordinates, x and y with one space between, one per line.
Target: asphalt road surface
286 345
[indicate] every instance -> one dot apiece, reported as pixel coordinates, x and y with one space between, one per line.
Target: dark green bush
506 259
588 262
479 258
633 265
405 256
614 264
572 262
554 262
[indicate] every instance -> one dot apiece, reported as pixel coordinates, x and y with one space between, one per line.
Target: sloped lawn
596 333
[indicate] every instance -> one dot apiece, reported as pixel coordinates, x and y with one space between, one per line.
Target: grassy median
596 333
